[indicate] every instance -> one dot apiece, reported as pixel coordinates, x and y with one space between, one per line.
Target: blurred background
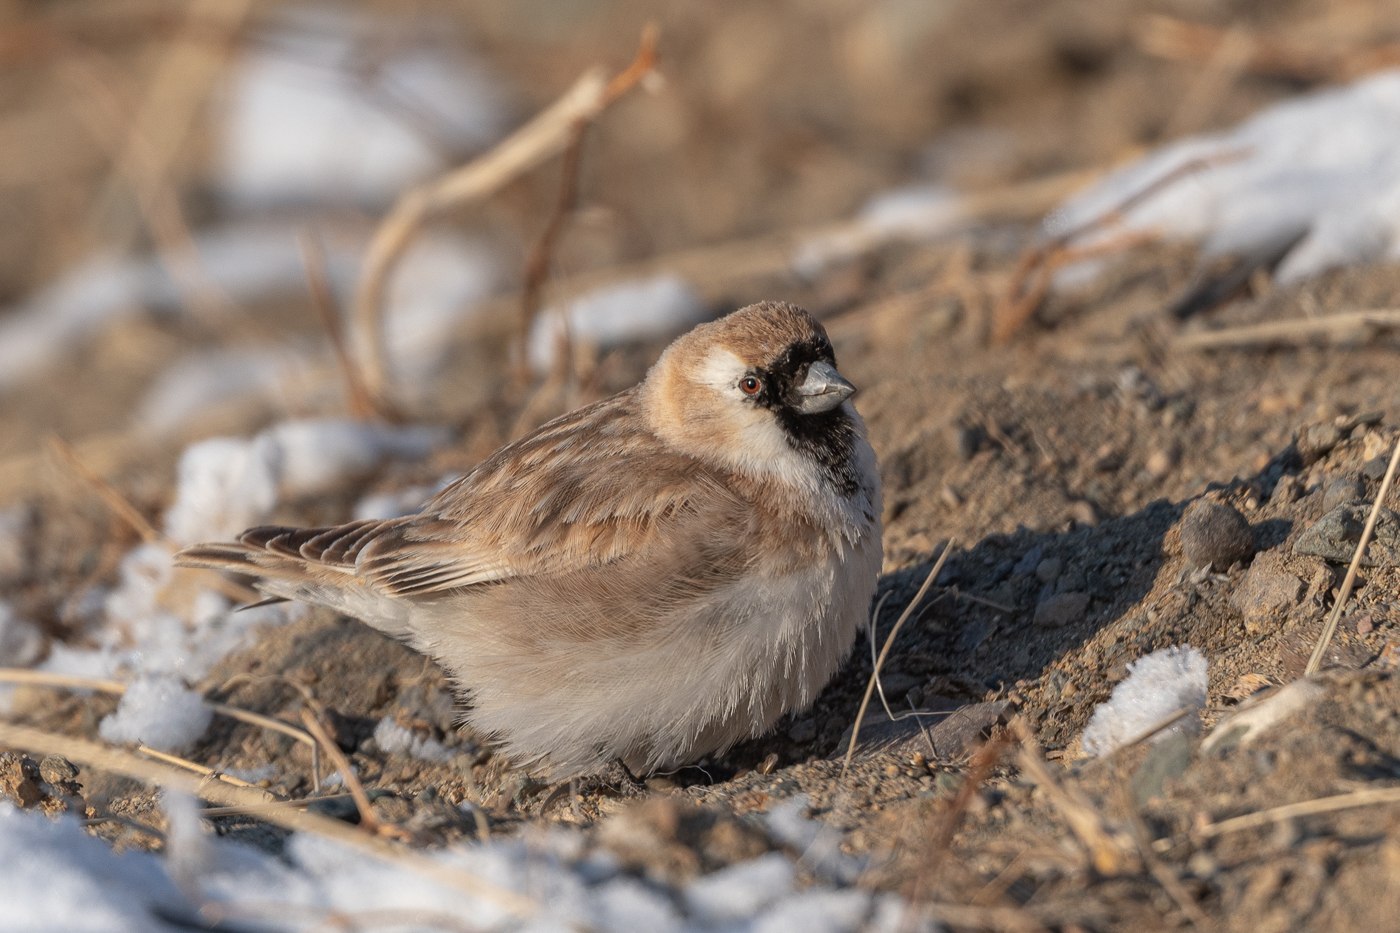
160 163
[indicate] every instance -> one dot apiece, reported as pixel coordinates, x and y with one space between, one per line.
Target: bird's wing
555 505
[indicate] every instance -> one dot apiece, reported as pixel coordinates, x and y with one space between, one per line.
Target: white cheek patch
758 444
721 370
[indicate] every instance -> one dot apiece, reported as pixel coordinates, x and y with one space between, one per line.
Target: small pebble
1061 609
1048 570
1342 491
56 769
1215 535
1317 440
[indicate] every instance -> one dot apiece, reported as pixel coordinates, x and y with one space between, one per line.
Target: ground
1056 466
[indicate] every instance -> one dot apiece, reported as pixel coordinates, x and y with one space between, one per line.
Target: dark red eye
750 385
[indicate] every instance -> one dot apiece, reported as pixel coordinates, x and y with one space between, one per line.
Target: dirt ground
1057 466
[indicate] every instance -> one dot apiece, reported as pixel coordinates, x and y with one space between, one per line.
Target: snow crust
1157 686
1320 169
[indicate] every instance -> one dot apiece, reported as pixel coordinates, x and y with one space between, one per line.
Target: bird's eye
750 385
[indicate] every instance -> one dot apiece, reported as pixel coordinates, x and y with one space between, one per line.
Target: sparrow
646 580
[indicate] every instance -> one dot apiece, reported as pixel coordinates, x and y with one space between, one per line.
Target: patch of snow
333 107
743 889
1157 686
842 911
226 485
1320 169
133 631
646 309
57 877
396 740
435 287
158 711
196 382
916 212
244 262
20 641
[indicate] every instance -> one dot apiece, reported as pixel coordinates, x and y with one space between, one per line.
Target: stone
1335 535
1215 535
1267 591
1061 609
1343 490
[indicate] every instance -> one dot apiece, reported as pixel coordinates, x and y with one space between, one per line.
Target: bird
644 581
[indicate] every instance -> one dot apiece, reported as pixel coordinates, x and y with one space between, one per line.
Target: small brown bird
648 579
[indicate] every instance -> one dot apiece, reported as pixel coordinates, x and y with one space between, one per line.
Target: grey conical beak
822 389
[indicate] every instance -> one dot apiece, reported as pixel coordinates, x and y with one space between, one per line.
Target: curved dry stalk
542 138
127 764
18 675
885 651
1328 630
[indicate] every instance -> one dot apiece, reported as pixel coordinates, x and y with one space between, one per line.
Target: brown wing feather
557 501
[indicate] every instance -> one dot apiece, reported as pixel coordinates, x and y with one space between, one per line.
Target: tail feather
313 565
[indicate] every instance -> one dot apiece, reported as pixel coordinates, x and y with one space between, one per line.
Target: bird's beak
822 389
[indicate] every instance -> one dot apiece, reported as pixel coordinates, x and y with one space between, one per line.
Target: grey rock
1342 491
1267 590
1335 535
1061 609
1048 570
954 730
1215 535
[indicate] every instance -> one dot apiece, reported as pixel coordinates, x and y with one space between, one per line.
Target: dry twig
1328 630
16 675
118 761
1035 270
885 651
358 399
1333 329
544 136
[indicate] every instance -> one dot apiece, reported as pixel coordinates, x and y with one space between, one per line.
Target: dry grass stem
192 62
1035 270
368 821
122 508
119 505
885 651
1328 630
1165 877
541 138
358 399
127 764
1108 852
1349 328
138 163
1190 43
209 774
538 262
1366 797
16 675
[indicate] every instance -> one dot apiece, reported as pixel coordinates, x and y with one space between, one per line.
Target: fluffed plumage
650 578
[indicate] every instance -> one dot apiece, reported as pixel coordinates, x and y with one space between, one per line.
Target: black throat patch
829 438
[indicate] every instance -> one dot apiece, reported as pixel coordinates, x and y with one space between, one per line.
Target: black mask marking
827 437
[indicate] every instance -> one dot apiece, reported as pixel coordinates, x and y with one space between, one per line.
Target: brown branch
358 399
538 263
1328 630
118 761
544 136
